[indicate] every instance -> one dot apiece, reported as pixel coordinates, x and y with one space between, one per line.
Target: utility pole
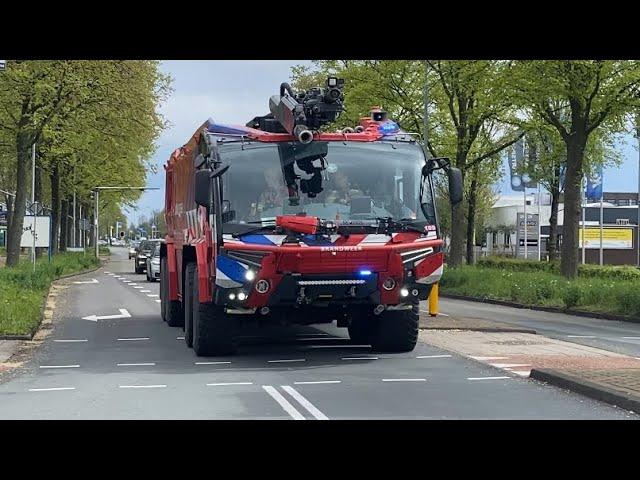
33 201
525 222
584 215
638 199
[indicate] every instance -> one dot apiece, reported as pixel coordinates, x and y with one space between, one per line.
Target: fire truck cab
279 221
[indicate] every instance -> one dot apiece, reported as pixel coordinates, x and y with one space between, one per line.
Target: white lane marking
142 386
106 272
150 364
228 384
489 358
179 338
132 284
632 338
487 378
510 365
126 281
132 339
158 301
138 288
211 363
56 389
359 358
145 291
337 346
310 407
288 360
124 313
404 379
71 341
283 402
522 373
312 334
93 280
581 336
152 295
434 356
317 382
59 366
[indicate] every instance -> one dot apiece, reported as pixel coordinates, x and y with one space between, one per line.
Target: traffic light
122 234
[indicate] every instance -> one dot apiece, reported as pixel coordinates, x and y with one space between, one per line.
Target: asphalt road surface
133 366
615 336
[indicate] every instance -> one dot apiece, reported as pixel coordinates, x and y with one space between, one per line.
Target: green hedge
23 291
513 264
617 295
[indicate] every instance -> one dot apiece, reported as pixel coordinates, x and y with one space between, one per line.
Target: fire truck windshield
359 181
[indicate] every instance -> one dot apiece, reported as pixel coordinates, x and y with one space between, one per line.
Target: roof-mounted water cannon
304 112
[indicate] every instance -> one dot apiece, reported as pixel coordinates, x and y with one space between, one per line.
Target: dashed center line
288 360
145 291
59 366
71 340
55 389
132 284
581 336
359 358
139 288
317 382
228 384
404 379
488 378
632 338
152 295
142 386
212 363
179 338
150 364
158 301
434 356
132 339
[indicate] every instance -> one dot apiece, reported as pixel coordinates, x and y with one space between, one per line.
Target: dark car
145 249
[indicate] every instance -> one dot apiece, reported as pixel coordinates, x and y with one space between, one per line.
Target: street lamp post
97 195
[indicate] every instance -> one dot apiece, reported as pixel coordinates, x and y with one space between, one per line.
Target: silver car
153 264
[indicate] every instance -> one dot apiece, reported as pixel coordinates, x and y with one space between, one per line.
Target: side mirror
203 187
455 185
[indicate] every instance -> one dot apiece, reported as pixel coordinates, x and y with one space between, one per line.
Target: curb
577 313
30 337
485 329
587 388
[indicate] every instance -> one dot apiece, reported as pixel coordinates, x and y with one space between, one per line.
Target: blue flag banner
594 185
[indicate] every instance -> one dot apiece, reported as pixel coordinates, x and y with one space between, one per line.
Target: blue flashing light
365 272
388 128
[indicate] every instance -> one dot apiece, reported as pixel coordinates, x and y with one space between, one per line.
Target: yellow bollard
433 300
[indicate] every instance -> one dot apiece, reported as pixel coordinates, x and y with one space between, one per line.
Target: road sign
3 64
42 229
3 219
533 243
36 208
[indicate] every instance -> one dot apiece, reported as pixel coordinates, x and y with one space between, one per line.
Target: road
136 367
615 336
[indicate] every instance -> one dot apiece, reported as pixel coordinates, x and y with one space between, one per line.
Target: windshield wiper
389 224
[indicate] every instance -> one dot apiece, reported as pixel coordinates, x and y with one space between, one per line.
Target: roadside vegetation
595 289
23 291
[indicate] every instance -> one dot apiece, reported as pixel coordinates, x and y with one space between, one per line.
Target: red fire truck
281 221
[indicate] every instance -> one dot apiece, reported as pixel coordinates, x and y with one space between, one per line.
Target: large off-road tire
213 329
361 329
396 330
189 276
171 309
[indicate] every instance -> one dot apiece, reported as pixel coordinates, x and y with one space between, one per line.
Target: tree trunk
14 229
64 224
552 242
456 252
55 207
575 155
471 216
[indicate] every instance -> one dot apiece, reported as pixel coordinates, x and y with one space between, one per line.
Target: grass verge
23 291
604 294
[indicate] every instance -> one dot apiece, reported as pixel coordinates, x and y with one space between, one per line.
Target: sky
235 91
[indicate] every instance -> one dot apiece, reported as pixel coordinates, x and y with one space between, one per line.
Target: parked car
153 264
132 248
145 249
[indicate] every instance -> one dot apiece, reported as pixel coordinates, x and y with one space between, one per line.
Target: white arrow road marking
305 403
277 396
93 280
123 314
